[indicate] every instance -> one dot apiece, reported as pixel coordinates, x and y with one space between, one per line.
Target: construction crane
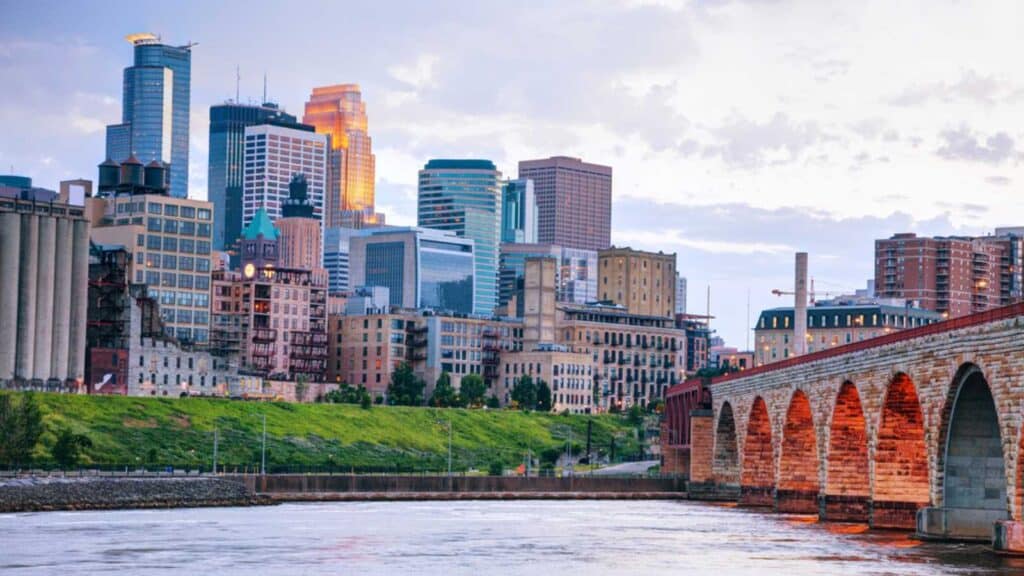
811 293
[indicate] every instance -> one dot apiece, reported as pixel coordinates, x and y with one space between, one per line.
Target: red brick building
951 275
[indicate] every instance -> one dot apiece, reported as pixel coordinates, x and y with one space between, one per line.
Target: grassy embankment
154 431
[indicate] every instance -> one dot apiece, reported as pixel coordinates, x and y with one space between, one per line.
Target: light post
263 449
449 424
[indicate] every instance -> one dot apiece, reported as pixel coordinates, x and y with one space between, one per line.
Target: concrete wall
358 483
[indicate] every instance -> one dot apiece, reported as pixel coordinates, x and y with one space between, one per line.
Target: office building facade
299 229
422 268
155 109
576 271
339 112
464 197
574 201
643 282
518 212
226 168
273 155
336 258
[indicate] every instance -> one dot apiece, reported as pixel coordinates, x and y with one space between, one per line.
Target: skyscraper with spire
340 112
155 109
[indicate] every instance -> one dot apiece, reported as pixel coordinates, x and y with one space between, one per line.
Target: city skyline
836 147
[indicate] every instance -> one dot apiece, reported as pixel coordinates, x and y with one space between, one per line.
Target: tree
444 393
405 389
493 402
301 387
68 447
543 396
524 393
635 415
365 403
496 468
21 425
472 390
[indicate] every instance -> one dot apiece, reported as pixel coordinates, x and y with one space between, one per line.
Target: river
450 538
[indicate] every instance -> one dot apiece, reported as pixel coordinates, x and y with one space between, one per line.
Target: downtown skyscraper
155 109
574 201
226 168
465 197
340 112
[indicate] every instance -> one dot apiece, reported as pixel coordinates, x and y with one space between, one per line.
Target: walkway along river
472 537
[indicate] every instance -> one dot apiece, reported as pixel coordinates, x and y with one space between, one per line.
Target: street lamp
449 425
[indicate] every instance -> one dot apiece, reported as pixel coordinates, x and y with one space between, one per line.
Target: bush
496 468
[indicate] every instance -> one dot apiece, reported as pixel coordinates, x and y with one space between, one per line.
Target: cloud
963 144
971 86
748 144
998 180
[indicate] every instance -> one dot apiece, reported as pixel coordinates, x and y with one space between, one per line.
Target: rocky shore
35 494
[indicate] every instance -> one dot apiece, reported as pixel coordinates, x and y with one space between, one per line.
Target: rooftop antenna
264 88
748 321
238 80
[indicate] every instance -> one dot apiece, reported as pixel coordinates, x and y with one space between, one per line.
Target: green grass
126 431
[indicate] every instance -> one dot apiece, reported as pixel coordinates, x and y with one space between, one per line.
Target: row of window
173 262
172 280
188 212
172 244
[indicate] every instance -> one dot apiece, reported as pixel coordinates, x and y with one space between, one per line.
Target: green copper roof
260 224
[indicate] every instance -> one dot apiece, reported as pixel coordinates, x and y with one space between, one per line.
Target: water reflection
579 537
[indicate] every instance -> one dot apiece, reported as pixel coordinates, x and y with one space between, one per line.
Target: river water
450 538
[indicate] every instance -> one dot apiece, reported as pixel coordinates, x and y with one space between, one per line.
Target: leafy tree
444 393
21 425
543 396
496 468
405 389
635 415
68 447
524 393
346 394
493 402
365 403
472 390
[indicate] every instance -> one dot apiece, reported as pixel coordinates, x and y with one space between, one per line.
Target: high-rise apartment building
422 268
299 230
950 275
273 155
574 201
680 294
643 282
518 212
336 258
226 169
464 196
340 113
170 240
155 109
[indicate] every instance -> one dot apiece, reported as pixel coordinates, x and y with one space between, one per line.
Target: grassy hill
180 432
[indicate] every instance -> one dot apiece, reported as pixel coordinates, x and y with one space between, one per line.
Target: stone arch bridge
917 429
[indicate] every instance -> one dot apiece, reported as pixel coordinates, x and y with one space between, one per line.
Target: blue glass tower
155 109
226 169
464 196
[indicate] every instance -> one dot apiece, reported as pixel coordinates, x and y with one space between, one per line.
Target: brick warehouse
919 428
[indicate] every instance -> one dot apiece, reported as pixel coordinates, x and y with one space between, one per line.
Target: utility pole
590 430
449 454
263 455
215 439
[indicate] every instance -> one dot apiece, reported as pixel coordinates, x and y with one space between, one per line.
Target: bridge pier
836 508
757 496
797 502
896 515
975 524
1008 537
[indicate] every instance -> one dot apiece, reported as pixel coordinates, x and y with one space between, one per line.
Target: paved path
634 468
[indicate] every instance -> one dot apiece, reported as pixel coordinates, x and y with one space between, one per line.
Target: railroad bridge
916 429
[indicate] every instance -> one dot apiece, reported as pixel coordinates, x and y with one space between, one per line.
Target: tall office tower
576 272
574 201
421 268
299 229
155 109
643 282
518 212
340 112
680 294
464 196
336 259
226 170
951 275
273 155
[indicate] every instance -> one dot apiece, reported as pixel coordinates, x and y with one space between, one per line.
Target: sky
739 132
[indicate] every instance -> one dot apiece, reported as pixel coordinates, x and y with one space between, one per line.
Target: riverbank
39 494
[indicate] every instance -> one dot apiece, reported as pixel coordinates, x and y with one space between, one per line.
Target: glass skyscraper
226 169
421 268
155 109
464 197
518 212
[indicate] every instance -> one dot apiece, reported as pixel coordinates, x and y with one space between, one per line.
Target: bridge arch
971 465
726 465
900 485
847 486
757 474
798 462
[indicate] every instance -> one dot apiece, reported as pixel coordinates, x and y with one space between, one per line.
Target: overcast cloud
739 132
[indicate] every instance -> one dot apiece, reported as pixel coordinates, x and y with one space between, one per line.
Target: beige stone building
643 282
569 375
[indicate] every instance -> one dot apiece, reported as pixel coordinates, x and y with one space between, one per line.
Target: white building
680 294
273 154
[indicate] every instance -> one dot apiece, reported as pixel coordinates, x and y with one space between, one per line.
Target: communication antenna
238 81
264 88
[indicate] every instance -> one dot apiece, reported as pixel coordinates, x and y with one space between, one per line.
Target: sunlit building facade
339 112
464 197
273 155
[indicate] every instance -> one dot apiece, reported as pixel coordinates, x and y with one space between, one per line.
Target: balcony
264 335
